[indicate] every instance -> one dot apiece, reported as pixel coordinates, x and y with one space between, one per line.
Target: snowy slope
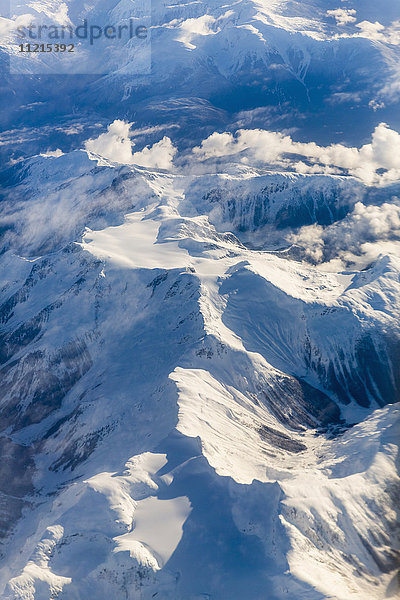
215 63
181 393
199 306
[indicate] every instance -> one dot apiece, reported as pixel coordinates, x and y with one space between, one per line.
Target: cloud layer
354 242
373 163
116 145
343 16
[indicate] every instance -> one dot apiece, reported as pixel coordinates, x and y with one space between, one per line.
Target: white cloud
116 145
266 146
379 33
341 97
356 241
159 156
52 153
343 16
383 153
376 104
153 129
191 28
372 31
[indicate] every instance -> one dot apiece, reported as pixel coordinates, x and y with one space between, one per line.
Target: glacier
200 308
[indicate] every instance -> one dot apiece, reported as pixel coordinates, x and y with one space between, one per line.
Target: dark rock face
39 368
280 440
375 376
297 404
34 385
17 468
36 374
282 200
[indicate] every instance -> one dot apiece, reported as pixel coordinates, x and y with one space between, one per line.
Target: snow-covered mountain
172 395
199 309
325 68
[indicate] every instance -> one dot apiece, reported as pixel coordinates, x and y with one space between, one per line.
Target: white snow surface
192 407
230 35
186 460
